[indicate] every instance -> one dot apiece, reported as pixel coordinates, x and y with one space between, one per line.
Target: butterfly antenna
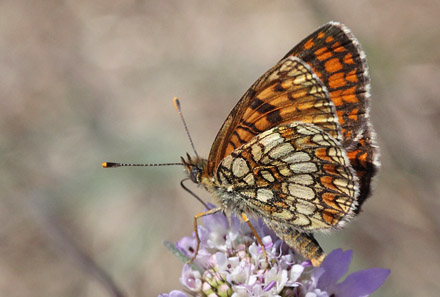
114 164
176 103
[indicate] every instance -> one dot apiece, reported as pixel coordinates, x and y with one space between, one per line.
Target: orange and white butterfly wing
288 92
298 149
323 80
336 57
292 175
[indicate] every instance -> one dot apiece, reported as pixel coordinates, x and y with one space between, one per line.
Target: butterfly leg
260 242
303 243
197 216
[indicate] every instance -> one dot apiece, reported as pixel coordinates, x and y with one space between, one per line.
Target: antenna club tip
176 103
109 164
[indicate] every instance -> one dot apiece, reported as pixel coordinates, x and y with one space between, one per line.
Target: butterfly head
194 167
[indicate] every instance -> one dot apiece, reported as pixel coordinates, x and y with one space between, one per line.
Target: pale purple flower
231 263
174 293
361 283
191 279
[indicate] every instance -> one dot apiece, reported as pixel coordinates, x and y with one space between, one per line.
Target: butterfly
298 149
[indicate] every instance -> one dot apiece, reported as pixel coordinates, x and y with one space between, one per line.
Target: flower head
231 263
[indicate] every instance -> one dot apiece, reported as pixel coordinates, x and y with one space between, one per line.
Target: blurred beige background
84 82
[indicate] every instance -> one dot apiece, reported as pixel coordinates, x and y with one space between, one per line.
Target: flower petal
269 286
317 293
362 283
187 245
174 293
335 266
191 279
296 272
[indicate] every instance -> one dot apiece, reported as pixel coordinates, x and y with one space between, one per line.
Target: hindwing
295 174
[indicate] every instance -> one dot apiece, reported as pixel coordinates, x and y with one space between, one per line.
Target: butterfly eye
194 174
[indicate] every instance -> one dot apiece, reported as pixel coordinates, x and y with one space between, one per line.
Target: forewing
337 58
295 174
288 92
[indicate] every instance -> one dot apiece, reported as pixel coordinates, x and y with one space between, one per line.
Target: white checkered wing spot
294 175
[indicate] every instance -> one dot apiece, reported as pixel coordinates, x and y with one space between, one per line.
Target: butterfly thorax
222 193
